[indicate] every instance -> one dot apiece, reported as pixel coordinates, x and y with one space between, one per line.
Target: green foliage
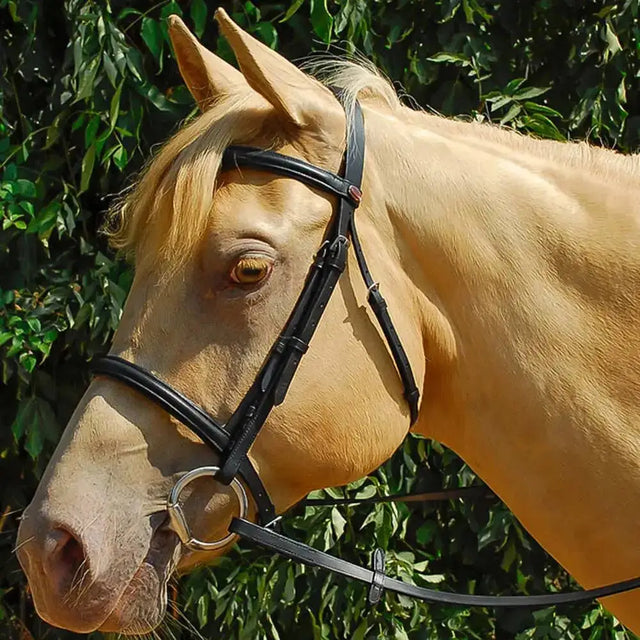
87 87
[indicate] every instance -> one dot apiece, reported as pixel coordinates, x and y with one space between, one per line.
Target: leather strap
236 157
273 382
379 307
379 581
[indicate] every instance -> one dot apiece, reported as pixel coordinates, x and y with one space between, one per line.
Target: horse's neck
532 262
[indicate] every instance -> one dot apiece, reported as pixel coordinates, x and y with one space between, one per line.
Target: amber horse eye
251 270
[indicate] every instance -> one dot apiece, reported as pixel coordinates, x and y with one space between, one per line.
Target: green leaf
78 122
321 20
152 35
456 58
88 162
509 556
153 94
368 491
114 109
534 107
514 110
514 85
292 9
87 74
120 157
28 208
53 131
50 335
530 92
25 416
110 68
426 532
34 324
289 592
267 33
203 610
90 131
338 522
25 188
47 219
28 361
127 12
199 16
34 442
611 38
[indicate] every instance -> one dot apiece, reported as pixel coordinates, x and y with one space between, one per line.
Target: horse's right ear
207 76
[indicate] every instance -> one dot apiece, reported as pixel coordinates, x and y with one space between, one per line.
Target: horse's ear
293 93
207 76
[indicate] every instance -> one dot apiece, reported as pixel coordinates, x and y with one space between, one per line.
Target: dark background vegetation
86 91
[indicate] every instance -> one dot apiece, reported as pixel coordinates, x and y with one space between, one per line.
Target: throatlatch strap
379 306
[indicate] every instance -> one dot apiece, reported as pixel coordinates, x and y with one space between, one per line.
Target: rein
232 441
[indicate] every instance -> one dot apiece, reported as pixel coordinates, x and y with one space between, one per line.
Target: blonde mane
170 203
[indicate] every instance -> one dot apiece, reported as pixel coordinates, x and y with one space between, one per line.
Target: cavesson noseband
233 440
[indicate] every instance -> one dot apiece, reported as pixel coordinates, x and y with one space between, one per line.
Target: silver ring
179 522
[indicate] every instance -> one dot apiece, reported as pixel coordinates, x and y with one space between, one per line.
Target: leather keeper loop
377 580
297 344
376 299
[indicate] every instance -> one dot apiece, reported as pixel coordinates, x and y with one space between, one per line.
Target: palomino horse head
220 260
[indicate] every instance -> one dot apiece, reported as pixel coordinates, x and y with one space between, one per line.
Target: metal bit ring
178 520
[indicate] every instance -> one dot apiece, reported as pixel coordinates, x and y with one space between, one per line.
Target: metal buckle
179 522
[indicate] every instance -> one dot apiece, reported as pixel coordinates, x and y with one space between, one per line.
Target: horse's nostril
63 558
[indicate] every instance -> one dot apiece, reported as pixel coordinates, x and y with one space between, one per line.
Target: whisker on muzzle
77 584
186 624
22 544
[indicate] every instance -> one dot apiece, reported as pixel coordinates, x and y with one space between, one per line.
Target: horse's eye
251 270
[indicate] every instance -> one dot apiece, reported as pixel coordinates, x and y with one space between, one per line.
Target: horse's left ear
296 95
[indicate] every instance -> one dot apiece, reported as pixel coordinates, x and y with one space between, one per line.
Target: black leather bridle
232 440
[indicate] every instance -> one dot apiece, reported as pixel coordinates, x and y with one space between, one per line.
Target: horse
511 268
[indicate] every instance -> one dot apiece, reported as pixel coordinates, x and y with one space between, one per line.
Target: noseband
232 440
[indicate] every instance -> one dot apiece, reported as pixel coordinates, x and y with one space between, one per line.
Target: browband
236 156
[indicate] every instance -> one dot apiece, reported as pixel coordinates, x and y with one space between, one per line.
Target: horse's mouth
143 603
